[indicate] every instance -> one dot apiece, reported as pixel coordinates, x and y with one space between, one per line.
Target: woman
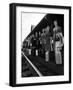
58 42
47 45
45 38
42 42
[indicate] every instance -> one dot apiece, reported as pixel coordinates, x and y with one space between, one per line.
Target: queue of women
47 43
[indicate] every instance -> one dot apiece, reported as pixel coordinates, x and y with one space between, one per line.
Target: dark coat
47 45
45 39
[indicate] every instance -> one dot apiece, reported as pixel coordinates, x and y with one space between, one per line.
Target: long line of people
41 43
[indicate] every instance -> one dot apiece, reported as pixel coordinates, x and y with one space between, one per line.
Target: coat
45 39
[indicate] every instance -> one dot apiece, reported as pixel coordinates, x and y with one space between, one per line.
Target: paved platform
46 68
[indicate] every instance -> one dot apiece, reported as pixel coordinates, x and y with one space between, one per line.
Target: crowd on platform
42 43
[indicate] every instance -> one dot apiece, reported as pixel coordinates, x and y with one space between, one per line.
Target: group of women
47 43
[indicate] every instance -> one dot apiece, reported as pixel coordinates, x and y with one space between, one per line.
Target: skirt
58 56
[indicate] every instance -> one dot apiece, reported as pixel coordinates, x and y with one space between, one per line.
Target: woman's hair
56 21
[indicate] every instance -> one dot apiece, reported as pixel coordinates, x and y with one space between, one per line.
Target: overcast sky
29 19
